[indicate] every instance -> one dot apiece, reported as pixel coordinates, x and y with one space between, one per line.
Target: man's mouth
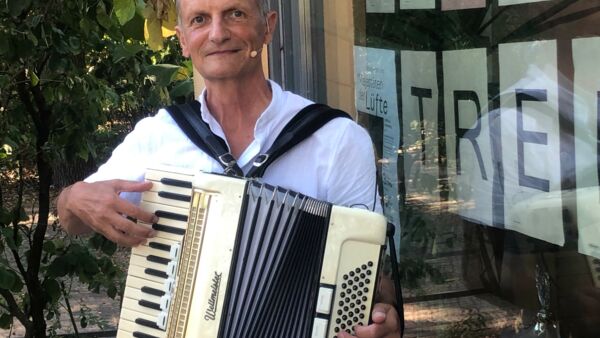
223 52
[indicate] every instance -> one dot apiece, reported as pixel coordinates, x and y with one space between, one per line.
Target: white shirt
335 164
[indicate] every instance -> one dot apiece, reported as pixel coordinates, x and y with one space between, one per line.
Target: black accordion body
237 258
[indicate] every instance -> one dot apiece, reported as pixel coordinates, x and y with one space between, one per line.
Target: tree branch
14 307
16 218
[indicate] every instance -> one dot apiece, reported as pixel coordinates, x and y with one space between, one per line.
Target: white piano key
132 314
133 304
137 295
147 250
139 271
144 262
135 282
127 328
153 197
158 174
128 324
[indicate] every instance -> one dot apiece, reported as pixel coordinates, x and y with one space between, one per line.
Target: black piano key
150 305
156 273
169 229
138 334
160 246
171 215
174 196
176 183
147 323
152 291
159 260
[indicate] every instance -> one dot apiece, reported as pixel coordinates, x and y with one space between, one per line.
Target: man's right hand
83 207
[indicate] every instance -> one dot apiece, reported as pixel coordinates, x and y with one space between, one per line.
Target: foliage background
75 75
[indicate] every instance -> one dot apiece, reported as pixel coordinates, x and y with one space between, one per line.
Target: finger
131 186
133 229
379 312
129 209
122 238
385 322
371 331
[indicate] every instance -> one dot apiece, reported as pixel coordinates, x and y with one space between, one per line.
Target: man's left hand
386 324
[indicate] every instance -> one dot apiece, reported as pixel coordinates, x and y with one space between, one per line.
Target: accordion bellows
238 258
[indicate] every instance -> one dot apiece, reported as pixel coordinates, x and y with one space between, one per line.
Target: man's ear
271 23
182 42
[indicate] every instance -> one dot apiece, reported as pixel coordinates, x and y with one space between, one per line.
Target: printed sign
375 79
468 142
449 5
417 4
419 120
531 139
380 6
587 148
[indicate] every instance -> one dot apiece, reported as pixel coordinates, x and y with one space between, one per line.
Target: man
224 38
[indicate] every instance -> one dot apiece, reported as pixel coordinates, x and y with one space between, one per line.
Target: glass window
486 118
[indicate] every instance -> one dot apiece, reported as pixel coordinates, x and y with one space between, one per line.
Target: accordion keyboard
152 267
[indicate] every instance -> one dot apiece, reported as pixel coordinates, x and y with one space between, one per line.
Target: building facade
485 116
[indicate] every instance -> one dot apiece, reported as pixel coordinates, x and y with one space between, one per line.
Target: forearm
67 217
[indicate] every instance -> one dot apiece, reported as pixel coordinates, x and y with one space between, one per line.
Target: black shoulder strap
188 119
301 126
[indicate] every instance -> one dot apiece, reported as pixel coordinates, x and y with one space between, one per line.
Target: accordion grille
275 277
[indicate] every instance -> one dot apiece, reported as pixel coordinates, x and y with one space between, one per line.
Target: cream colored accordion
237 258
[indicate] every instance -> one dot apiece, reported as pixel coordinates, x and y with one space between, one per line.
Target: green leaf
7 278
35 80
4 218
124 10
49 247
16 7
109 248
96 241
58 268
52 289
32 38
183 89
83 322
126 51
102 17
4 43
5 321
163 73
112 291
9 236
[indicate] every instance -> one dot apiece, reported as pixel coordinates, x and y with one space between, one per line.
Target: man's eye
237 14
198 20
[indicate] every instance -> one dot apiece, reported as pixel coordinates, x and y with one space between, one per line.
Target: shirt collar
267 121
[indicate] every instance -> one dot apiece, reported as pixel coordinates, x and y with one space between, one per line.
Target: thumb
379 313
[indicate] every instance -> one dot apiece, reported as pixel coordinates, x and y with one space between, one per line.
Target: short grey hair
263 5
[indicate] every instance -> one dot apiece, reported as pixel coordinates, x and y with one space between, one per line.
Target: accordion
238 258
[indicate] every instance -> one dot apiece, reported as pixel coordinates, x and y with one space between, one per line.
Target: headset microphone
254 53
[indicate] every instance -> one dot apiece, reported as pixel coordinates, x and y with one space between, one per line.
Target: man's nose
219 31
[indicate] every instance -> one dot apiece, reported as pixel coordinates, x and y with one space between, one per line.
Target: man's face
220 35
